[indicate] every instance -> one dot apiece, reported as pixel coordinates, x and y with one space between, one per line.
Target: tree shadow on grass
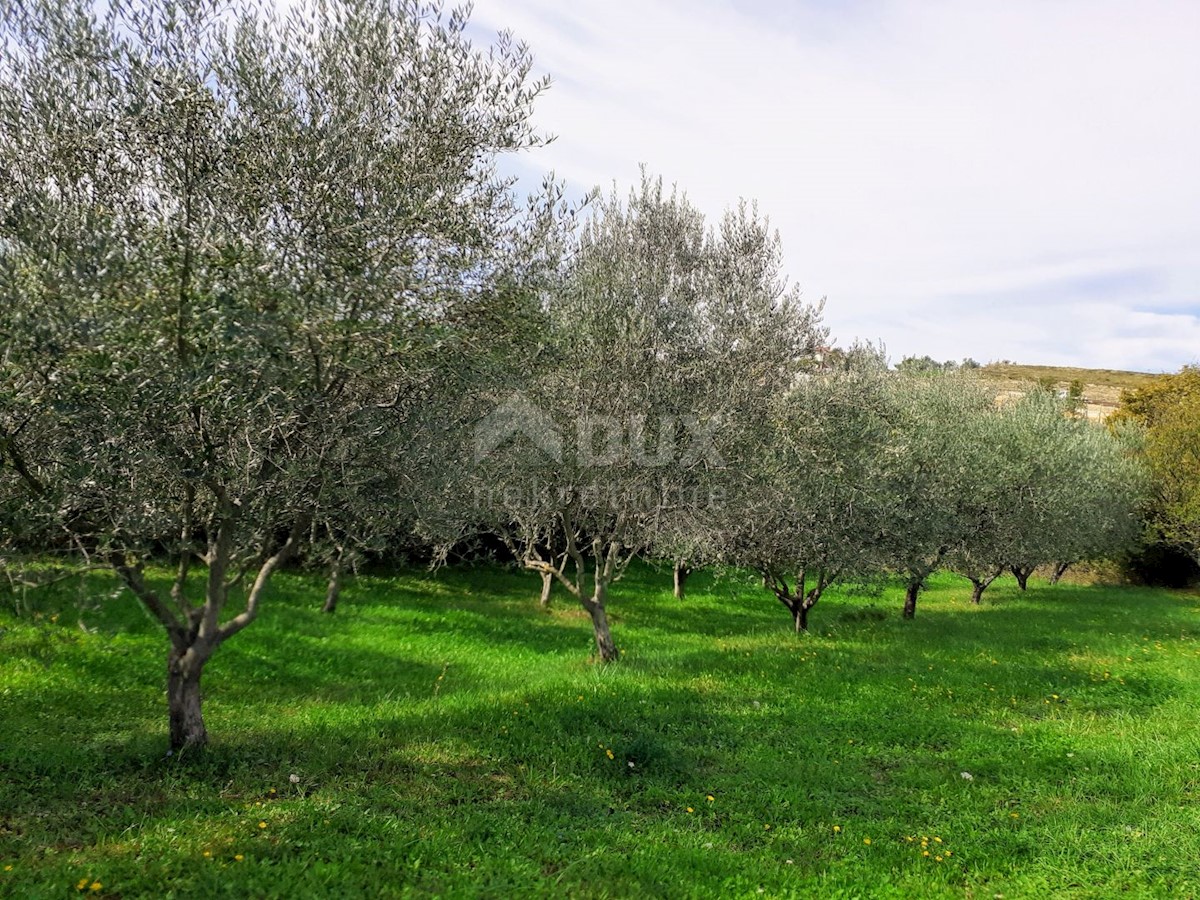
482 774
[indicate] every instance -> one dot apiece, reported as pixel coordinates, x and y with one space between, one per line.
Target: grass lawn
451 739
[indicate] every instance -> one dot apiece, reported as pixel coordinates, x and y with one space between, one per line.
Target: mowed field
448 738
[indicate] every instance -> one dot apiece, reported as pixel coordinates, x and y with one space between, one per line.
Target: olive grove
661 331
266 300
239 255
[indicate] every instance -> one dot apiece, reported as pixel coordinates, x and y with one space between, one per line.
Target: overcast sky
1007 180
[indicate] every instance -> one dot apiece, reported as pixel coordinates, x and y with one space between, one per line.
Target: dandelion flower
867 841
96 885
238 857
837 829
82 884
689 809
262 824
609 753
8 868
1015 815
924 852
710 798
938 858
207 854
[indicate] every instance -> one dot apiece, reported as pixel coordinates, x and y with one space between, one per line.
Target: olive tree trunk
334 590
605 646
799 601
195 631
682 571
910 597
1022 573
184 714
979 584
574 570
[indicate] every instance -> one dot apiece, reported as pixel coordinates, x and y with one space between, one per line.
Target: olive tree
234 244
660 330
1047 486
811 511
932 455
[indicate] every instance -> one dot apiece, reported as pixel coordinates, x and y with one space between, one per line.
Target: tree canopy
239 254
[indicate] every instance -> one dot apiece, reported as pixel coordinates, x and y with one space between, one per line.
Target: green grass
452 740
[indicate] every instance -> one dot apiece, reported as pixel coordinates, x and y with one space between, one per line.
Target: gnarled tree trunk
981 584
604 640
547 583
800 616
682 571
1022 573
334 590
195 631
977 589
910 597
184 714
800 602
1060 569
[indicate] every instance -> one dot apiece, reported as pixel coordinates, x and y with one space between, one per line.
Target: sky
1017 179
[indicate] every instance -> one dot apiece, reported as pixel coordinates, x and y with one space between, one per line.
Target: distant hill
1101 387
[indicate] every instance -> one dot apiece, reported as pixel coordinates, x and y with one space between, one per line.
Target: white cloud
959 179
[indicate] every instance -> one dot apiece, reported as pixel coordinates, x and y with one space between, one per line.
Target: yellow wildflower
609 753
689 809
96 885
710 798
837 829
82 884
262 824
238 857
867 841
